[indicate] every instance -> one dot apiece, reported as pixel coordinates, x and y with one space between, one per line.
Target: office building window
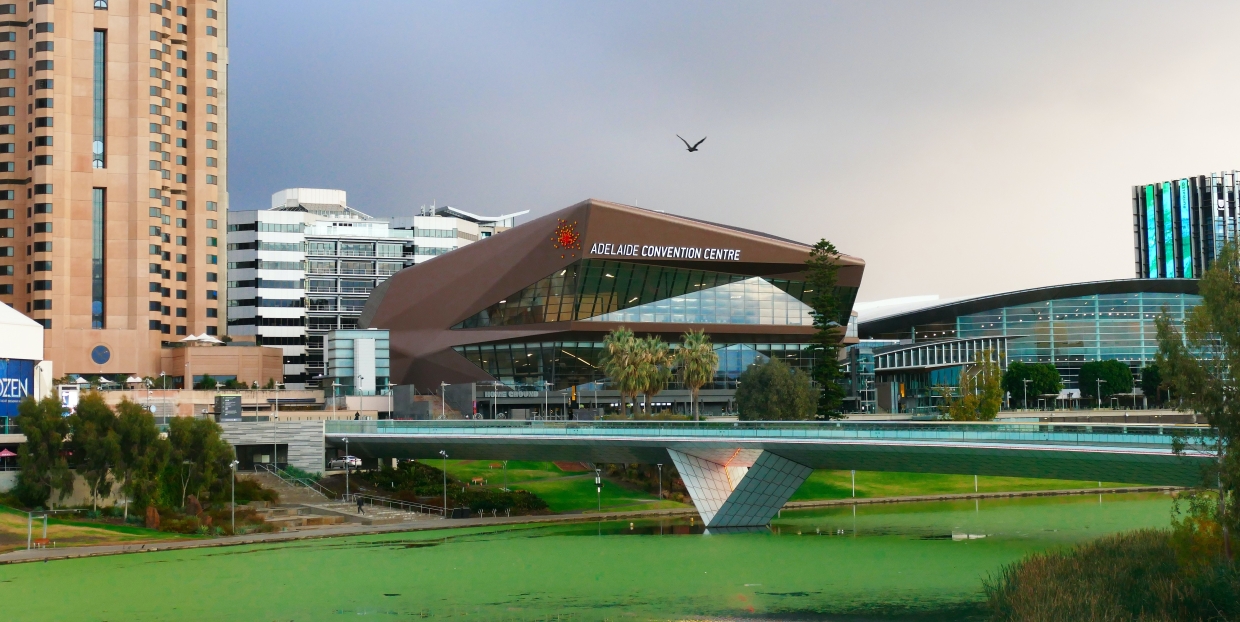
101 95
98 257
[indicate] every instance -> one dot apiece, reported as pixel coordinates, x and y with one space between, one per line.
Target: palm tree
654 367
697 360
619 362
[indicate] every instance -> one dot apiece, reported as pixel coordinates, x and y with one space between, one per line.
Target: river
904 561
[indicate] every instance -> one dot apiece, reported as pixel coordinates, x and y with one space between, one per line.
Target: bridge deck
1119 453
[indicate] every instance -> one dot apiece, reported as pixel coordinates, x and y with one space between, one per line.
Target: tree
198 456
207 383
95 444
697 363
1198 364
822 271
771 391
980 392
654 368
619 361
1116 378
271 384
1152 383
42 458
1044 379
143 454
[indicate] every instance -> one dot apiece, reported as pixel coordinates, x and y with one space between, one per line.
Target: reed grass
1143 575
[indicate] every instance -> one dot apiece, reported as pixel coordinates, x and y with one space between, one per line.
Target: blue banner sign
16 383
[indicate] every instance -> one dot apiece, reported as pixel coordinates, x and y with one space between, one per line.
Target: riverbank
913 561
35 555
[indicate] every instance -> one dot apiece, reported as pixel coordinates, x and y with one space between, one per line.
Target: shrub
1139 575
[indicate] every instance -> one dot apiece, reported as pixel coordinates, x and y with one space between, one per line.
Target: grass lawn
71 533
574 491
837 484
563 491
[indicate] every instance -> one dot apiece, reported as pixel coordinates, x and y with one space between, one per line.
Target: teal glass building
1179 225
1066 325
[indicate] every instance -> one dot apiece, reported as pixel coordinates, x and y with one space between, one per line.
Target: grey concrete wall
304 439
8 479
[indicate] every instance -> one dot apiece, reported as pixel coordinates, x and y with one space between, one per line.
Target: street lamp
445 482
660 482
346 467
598 483
1100 381
495 400
233 466
334 385
546 406
1026 382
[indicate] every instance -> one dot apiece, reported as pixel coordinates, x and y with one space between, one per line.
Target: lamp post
495 402
598 484
278 385
1026 382
443 402
445 482
233 505
346 467
1099 383
546 405
334 385
660 482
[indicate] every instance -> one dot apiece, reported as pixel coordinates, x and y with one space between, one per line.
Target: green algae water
909 561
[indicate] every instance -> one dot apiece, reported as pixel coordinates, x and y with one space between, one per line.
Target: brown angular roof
420 304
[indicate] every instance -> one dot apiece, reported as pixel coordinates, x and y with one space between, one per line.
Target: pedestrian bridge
741 473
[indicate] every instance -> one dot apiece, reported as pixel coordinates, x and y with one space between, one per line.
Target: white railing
408 506
296 481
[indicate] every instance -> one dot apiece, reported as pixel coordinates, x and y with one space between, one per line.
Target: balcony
354 253
321 290
356 290
366 271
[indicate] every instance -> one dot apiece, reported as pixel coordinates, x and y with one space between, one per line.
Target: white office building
306 266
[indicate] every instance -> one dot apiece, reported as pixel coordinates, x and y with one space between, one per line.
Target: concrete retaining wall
304 439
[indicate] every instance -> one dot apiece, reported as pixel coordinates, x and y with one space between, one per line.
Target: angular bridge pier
738 487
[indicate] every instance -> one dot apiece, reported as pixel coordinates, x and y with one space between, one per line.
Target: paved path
35 555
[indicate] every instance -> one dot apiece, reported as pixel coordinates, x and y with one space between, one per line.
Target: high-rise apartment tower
113 175
1179 225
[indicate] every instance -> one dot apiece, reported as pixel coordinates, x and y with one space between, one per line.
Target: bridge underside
726 479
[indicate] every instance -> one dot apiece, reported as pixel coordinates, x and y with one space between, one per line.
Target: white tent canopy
23 337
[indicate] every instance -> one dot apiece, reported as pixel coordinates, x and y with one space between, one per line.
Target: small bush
1139 575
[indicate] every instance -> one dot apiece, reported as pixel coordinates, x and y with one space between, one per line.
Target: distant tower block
738 487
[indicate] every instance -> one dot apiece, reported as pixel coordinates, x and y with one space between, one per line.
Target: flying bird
694 146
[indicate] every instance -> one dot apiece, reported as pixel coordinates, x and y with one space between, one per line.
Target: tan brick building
113 184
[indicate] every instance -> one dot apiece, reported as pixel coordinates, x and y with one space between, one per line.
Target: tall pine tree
822 271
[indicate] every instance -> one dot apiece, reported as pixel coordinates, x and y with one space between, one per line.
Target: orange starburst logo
566 238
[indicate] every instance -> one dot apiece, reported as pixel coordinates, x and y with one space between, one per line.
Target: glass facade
1068 331
1180 225
98 256
573 363
628 292
752 301
100 98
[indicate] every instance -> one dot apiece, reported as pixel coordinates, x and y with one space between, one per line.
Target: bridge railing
1134 435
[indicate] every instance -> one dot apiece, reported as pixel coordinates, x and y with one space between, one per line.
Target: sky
958 148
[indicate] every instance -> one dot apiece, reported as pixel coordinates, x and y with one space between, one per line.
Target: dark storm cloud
959 147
